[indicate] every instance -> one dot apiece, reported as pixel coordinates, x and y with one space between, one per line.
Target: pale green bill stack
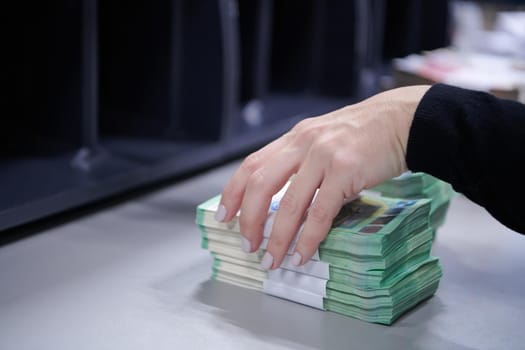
420 185
374 264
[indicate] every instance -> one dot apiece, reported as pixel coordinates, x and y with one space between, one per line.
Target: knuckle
289 204
301 125
343 162
323 148
257 179
306 131
319 215
251 163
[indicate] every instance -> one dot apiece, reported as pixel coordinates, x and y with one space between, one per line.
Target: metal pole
85 157
89 74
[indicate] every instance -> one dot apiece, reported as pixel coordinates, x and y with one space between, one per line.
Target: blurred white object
472 70
512 23
467 24
479 59
506 37
511 29
253 113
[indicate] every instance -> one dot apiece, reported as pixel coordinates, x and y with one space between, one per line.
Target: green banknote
374 269
382 305
407 185
421 185
368 226
374 263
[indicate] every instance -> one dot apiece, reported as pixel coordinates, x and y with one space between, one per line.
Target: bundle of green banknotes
374 264
421 185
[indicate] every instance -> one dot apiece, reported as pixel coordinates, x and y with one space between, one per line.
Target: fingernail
220 214
296 259
267 261
246 245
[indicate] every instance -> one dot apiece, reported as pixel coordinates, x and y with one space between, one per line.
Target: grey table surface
134 277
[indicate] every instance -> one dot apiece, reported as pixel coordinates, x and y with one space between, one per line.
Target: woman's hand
340 153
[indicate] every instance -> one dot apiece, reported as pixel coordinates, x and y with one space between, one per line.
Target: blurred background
107 97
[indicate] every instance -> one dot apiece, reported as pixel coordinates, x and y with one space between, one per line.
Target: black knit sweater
476 142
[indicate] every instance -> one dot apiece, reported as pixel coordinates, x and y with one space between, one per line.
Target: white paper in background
512 22
471 70
294 294
298 280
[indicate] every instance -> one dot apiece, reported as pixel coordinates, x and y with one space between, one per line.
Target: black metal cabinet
111 95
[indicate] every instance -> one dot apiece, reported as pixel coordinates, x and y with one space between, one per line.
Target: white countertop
133 276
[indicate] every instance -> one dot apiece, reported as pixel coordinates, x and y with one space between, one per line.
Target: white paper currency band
298 281
294 294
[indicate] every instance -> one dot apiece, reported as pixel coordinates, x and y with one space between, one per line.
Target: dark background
106 97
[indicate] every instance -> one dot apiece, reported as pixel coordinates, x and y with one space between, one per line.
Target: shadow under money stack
374 264
420 185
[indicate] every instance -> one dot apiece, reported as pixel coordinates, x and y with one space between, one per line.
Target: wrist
403 103
397 108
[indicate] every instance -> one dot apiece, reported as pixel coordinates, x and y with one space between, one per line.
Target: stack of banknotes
420 185
374 264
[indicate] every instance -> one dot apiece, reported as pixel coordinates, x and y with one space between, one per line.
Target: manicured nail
246 245
296 259
267 261
220 214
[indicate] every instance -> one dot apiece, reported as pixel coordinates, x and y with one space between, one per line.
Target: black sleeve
476 142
